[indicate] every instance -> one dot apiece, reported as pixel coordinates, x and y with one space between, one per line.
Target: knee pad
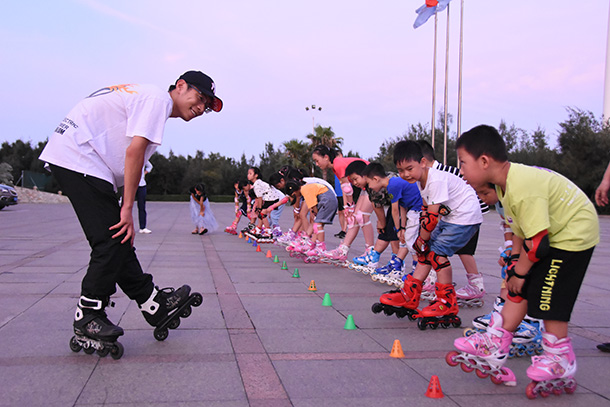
437 261
347 189
360 218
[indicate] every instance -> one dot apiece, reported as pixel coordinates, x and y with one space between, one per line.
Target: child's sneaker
482 322
428 289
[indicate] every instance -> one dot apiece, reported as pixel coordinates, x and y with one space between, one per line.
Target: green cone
296 274
349 323
276 259
326 302
284 266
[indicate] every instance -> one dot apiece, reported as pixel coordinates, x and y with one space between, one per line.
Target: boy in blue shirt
400 225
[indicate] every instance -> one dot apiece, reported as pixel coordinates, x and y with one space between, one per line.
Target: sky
525 62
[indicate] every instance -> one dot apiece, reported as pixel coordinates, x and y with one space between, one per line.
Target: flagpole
433 124
446 89
606 107
459 114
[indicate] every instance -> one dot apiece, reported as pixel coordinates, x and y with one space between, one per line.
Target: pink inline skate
316 252
553 371
471 295
485 353
336 257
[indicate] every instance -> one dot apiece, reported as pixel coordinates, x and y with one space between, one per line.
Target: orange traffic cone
240 235
258 248
434 389
269 255
397 350
312 286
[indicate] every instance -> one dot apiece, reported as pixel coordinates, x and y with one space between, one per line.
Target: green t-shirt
537 199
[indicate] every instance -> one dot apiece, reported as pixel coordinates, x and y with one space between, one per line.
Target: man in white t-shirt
100 146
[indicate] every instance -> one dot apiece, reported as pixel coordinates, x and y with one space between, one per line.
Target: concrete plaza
261 338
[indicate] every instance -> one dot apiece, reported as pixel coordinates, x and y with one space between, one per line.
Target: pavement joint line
40 254
259 377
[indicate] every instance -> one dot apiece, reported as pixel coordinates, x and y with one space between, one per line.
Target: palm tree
299 153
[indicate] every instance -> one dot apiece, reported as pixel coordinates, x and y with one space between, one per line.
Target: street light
313 108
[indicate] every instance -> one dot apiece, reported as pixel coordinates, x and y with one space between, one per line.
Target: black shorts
471 246
553 283
267 204
340 203
388 235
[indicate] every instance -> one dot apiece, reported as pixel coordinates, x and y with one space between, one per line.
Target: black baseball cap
205 85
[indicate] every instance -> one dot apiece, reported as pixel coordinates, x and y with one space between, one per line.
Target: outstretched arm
601 194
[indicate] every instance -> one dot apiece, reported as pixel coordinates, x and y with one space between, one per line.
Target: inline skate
553 371
286 238
93 331
402 302
298 246
485 353
527 339
391 273
442 311
428 289
336 257
365 263
315 253
166 306
471 295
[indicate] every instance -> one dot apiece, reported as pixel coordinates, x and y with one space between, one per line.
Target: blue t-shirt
405 193
338 189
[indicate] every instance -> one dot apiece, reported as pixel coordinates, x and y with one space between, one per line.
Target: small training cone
254 243
349 323
269 255
258 248
296 274
312 286
397 350
434 389
326 302
284 266
276 259
248 239
240 235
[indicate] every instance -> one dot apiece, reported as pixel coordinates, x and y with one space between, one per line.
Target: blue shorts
447 238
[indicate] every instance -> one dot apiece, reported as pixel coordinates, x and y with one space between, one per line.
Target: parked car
8 196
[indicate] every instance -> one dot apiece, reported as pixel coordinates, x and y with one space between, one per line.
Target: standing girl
201 213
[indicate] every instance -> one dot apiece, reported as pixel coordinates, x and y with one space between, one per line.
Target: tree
298 153
5 174
325 136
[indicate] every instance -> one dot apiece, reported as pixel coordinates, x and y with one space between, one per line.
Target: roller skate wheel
117 351
197 299
466 368
422 325
390 311
89 351
175 323
496 380
74 345
445 324
457 324
481 375
411 317
186 312
376 308
103 352
529 390
570 388
450 358
161 334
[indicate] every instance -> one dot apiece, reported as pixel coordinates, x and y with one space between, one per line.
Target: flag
427 10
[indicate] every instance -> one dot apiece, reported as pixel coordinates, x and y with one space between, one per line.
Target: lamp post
313 108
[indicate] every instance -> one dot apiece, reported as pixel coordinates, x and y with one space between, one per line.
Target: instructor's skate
367 263
442 311
401 302
93 331
471 295
165 307
553 371
486 353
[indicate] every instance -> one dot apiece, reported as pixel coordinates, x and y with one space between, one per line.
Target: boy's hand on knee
125 227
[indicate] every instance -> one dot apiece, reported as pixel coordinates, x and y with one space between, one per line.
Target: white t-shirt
147 168
452 191
316 180
93 137
266 191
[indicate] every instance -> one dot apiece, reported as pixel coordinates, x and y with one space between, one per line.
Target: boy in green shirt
556 228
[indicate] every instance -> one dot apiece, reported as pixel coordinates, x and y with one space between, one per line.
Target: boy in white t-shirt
451 215
101 145
266 196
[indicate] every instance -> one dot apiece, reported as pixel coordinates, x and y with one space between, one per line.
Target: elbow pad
284 200
540 246
346 187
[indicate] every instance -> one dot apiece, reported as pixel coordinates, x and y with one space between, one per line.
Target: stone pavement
260 338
